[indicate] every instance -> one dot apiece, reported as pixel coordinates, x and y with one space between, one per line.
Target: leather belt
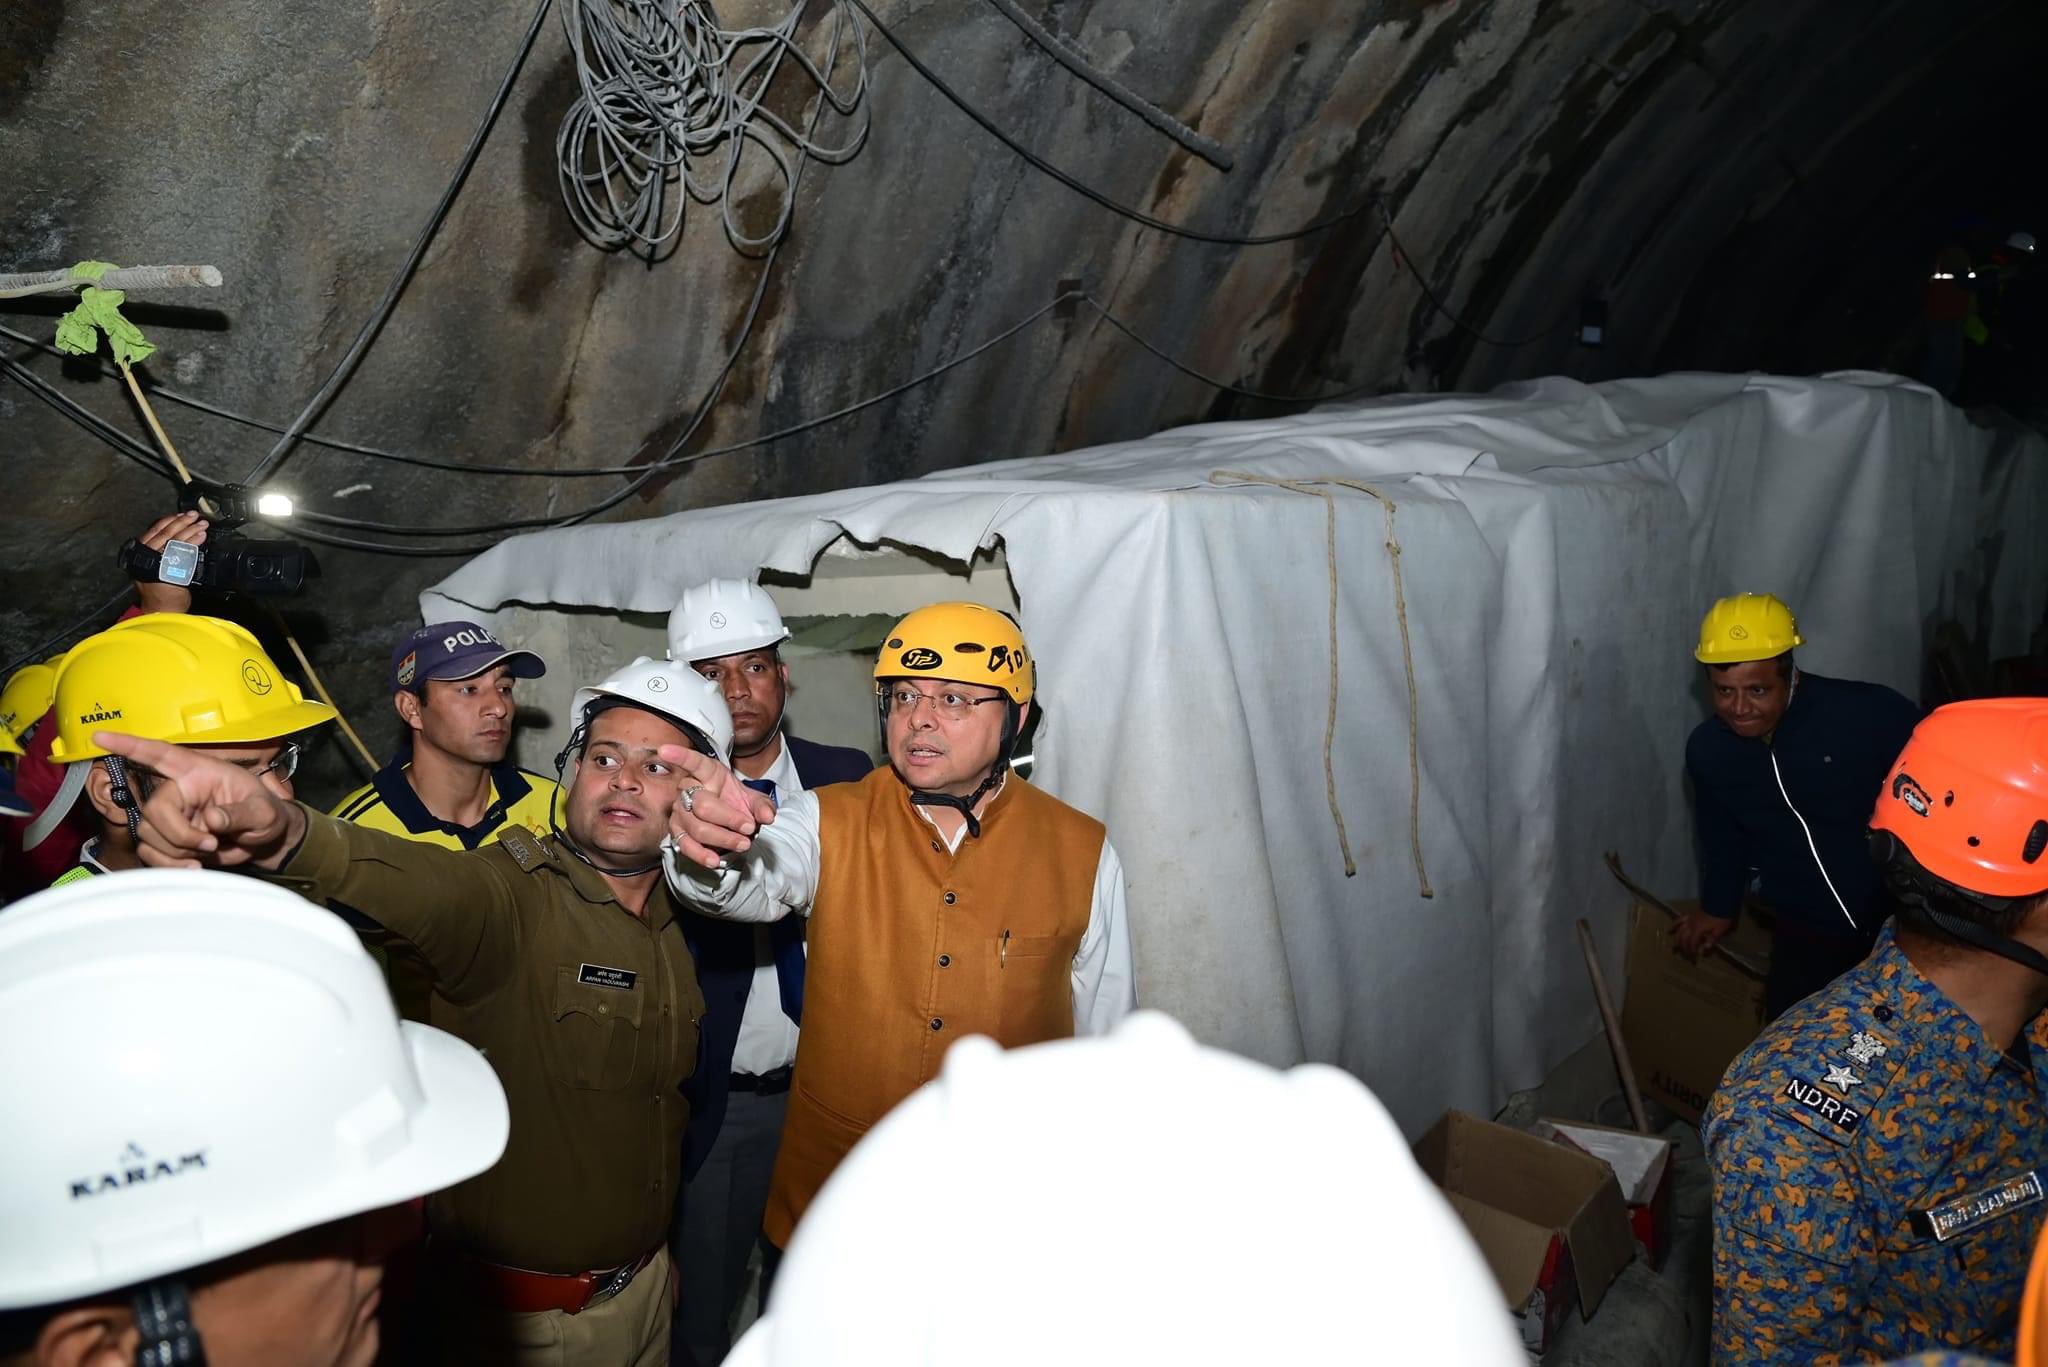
524 1292
771 1083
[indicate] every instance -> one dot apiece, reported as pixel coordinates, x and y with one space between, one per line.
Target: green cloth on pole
100 311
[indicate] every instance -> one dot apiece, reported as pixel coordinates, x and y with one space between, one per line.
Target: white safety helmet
196 1064
1250 1215
723 617
670 688
2023 242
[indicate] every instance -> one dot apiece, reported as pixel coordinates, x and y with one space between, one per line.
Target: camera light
274 505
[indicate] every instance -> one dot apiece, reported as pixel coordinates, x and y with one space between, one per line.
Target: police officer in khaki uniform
561 959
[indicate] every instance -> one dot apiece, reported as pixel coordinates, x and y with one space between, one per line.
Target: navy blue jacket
1835 746
724 951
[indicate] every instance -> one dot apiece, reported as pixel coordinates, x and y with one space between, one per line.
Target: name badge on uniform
597 975
1965 1213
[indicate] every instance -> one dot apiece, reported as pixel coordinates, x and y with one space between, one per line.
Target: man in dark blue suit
752 976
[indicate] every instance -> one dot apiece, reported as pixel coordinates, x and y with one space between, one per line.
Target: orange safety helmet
1968 796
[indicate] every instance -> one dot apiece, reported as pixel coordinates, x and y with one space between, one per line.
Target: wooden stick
313 677
1612 1025
163 438
1651 899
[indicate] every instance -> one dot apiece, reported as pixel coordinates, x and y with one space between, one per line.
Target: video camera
264 567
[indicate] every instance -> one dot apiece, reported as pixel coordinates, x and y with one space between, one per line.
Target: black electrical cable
378 316
36 652
1121 326
994 130
127 446
764 439
86 418
1428 292
1070 56
135 450
710 396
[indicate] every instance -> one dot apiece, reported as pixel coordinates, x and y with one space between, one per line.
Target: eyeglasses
285 765
950 705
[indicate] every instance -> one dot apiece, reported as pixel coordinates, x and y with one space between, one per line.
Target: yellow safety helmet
178 678
1747 626
961 642
26 698
9 745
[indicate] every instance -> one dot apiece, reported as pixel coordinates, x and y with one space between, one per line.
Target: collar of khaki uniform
533 853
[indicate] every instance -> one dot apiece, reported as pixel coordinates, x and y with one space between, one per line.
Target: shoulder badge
1832 1094
526 852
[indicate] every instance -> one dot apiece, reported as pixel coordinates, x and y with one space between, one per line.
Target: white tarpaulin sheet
1558 544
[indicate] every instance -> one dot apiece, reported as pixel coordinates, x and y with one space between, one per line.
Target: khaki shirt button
603 1010
951 899
945 961
938 1024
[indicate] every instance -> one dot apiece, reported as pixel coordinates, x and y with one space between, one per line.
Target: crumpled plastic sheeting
1560 542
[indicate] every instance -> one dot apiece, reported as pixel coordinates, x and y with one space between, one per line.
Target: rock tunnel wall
1687 161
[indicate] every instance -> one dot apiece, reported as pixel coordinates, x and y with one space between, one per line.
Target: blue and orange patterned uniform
1878 1176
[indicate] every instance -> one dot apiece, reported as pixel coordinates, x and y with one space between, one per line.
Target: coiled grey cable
670 102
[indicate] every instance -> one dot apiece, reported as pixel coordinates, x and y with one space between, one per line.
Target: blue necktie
786 936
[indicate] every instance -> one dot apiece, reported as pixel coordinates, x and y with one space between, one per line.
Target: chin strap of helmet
122 790
965 805
575 744
163 1319
1906 882
1990 941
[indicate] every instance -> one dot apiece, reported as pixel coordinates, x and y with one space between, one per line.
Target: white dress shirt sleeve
1105 988
775 876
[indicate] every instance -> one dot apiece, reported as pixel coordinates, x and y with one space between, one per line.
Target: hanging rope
1407 658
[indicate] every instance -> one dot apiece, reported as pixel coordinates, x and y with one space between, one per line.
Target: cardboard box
1642 1168
1684 1020
1551 1222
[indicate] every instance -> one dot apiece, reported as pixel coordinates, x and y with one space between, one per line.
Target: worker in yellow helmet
1784 775
23 702
945 896
24 709
191 681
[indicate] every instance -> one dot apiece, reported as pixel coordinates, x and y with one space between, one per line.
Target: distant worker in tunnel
1879 1154
752 976
2012 305
1949 317
944 896
1784 774
451 783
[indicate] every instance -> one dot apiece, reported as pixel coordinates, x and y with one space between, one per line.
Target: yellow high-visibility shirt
519 798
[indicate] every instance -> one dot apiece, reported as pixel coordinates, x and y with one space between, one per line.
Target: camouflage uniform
1875 1190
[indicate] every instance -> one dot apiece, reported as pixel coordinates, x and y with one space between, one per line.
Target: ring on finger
689 797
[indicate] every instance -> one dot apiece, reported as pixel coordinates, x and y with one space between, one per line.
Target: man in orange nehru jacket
946 896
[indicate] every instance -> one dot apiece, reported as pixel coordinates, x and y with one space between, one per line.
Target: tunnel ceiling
1745 183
